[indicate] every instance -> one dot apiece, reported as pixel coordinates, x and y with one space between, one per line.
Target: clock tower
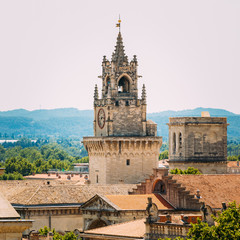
125 146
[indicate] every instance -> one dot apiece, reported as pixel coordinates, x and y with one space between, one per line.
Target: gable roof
6 209
93 203
133 229
214 188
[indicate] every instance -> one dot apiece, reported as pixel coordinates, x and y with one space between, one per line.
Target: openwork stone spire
118 55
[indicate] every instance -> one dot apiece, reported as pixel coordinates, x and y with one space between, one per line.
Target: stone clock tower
125 146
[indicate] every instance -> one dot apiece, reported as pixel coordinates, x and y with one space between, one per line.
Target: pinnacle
118 55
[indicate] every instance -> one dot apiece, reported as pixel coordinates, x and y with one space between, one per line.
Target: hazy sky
188 51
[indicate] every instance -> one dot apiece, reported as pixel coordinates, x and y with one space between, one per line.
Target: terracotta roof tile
36 192
134 228
6 209
138 202
233 164
214 189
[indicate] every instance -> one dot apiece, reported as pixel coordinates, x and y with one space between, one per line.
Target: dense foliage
57 236
11 176
24 159
234 158
163 155
190 170
233 149
227 227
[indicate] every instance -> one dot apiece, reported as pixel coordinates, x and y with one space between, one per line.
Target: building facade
199 142
125 146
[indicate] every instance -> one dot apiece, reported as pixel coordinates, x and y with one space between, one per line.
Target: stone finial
104 59
149 206
144 94
198 194
134 58
203 210
224 207
96 92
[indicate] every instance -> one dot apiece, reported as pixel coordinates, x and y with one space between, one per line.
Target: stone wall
127 121
122 159
198 142
162 183
59 218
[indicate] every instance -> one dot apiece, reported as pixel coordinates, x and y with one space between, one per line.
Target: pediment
98 203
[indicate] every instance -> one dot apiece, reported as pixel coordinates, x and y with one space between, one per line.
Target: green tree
56 236
44 231
163 155
227 226
190 170
69 236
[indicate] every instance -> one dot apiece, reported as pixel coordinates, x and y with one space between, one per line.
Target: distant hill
71 122
45 114
161 118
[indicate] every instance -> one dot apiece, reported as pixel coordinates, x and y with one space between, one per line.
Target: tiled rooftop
132 229
137 202
34 192
6 209
214 189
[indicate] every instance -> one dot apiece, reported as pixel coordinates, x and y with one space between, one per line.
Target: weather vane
119 24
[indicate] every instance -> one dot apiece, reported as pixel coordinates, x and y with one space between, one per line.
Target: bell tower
119 111
125 146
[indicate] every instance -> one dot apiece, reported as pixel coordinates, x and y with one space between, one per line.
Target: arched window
159 187
123 85
180 140
107 84
198 143
174 143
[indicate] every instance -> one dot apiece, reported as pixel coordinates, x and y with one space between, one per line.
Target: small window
97 179
174 143
128 162
127 103
180 140
117 103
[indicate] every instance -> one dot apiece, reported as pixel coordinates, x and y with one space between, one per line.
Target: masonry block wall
122 160
199 142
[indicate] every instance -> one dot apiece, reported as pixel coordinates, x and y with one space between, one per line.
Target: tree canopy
57 236
23 160
190 170
227 226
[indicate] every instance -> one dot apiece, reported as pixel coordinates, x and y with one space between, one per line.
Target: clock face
101 118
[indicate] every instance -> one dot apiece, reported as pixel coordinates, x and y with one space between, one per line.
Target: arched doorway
159 187
123 85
